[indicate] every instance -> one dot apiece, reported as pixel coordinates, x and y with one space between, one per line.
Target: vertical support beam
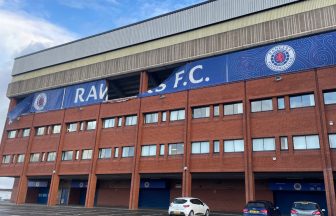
321 122
135 180
55 180
186 177
53 191
92 181
91 191
248 153
22 191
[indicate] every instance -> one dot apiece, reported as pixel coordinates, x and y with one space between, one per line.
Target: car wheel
191 213
207 212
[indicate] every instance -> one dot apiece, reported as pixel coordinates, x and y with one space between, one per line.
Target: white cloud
89 4
22 33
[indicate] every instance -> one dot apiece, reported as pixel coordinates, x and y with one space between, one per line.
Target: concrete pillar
186 183
135 189
22 191
53 191
91 191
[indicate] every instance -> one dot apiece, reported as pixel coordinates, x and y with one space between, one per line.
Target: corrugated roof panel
158 27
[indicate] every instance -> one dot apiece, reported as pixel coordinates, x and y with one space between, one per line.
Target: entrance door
154 198
64 197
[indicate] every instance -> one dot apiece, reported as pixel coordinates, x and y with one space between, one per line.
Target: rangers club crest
280 58
40 101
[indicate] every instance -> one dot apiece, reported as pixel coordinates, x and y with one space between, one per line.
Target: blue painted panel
154 198
38 184
42 197
285 57
297 186
79 184
285 199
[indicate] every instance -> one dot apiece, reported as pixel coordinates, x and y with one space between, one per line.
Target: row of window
203 147
297 101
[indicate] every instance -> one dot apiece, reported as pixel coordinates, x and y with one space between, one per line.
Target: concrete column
91 191
22 191
186 183
135 189
53 191
248 152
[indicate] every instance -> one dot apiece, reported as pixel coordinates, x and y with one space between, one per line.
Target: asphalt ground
8 209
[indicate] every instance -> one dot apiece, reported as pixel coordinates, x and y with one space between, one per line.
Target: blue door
154 198
285 199
42 197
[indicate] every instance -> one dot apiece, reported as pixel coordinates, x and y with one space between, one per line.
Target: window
216 110
261 105
283 143
233 109
77 155
91 125
72 127
263 144
216 146
11 134
281 103
200 147
332 140
26 132
6 159
177 115
176 149
56 129
116 152
20 158
82 126
201 112
40 131
131 120
105 153
109 123
51 156
329 97
34 157
120 121
148 150
234 145
302 101
306 142
164 116
67 155
127 151
87 154
151 118
162 149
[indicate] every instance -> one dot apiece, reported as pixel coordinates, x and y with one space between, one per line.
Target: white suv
188 206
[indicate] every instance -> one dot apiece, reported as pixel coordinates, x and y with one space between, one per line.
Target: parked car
188 206
303 208
261 208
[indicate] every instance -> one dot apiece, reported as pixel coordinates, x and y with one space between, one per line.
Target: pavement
9 209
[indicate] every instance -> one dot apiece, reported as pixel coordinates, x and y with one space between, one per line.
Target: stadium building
227 100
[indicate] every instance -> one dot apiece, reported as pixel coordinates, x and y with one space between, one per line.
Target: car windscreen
305 206
255 205
179 201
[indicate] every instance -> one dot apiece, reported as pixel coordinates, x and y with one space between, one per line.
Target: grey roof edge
195 16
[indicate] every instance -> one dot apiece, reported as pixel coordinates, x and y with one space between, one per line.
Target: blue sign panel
68 97
37 184
297 186
85 94
79 184
152 184
47 100
285 57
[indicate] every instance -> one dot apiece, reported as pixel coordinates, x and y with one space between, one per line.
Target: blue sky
31 25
